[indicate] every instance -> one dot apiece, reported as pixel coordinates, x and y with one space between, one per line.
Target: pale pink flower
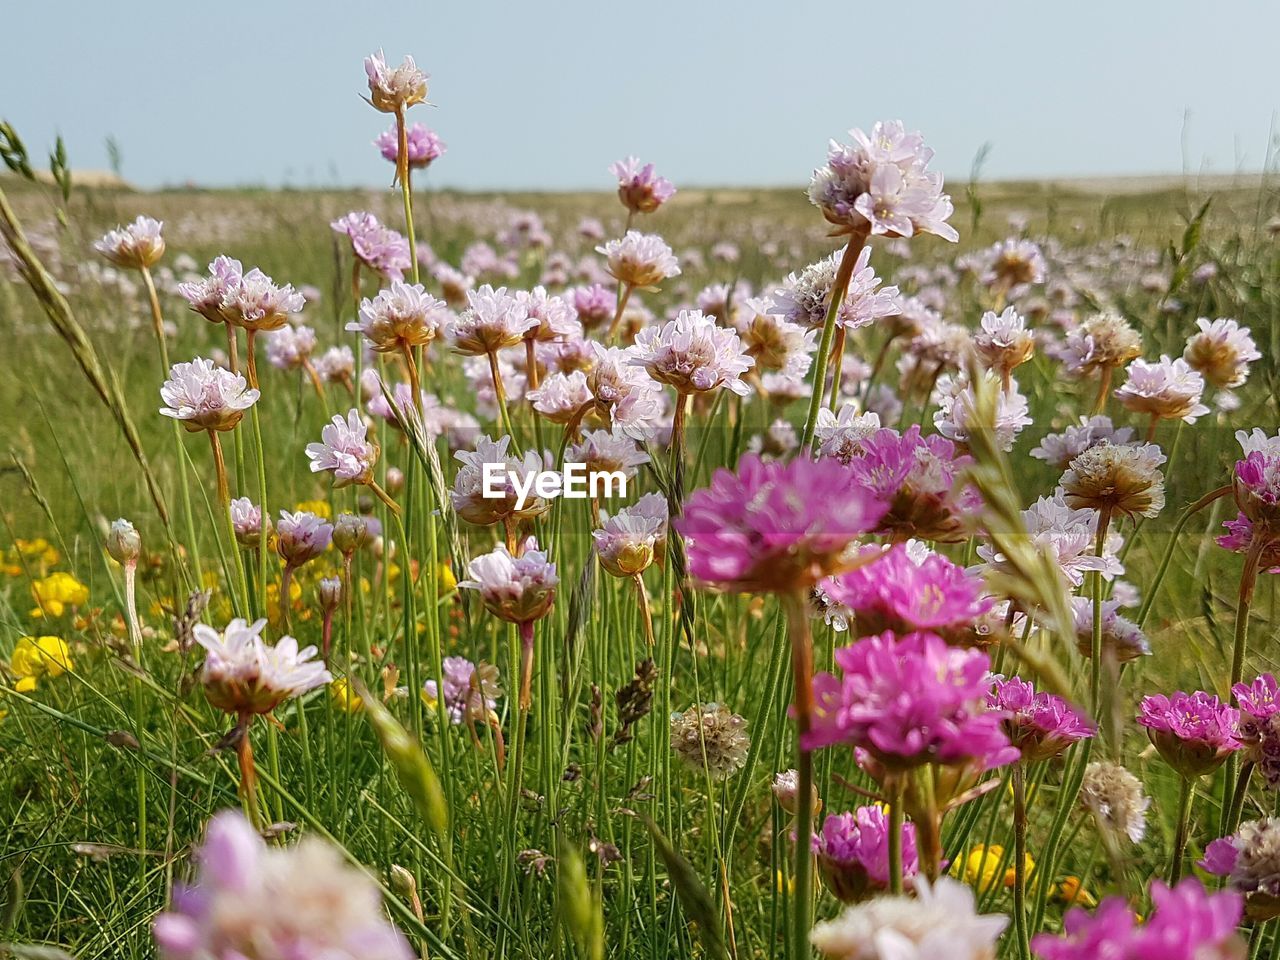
693 354
203 396
344 450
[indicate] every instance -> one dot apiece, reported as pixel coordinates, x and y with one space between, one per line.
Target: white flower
1068 534
630 395
344 450
401 316
841 435
1059 449
394 88
957 411
607 451
1169 389
242 674
137 245
257 902
1114 796
560 396
1221 352
693 354
627 542
941 921
516 589
205 397
804 298
289 347
1003 341
494 320
640 259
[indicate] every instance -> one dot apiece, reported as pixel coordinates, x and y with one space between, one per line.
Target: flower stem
1154 589
624 294
1248 580
220 468
1104 387
802 676
1020 861
837 359
1185 791
526 666
857 240
248 773
406 189
500 393
896 803
1095 647
646 616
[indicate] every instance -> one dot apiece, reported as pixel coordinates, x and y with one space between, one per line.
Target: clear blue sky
546 93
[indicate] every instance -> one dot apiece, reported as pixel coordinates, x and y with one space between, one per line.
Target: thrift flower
1114 796
639 188
711 737
1194 732
422 145
641 260
344 450
1167 389
853 853
392 89
203 396
1041 725
1221 352
137 245
399 318
693 354
242 674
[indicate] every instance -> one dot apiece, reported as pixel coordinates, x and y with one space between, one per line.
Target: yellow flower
1071 892
320 508
346 698
36 657
446 582
982 865
54 593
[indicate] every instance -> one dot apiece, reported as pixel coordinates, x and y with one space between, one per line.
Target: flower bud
402 881
123 542
350 533
395 481
330 590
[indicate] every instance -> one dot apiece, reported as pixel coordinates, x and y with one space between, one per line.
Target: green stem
1020 861
802 676
857 241
1185 790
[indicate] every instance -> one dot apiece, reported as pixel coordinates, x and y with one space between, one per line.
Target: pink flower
135 245
882 183
1259 729
1221 352
693 354
903 593
423 147
1040 725
804 298
1194 732
494 320
921 480
301 537
775 526
594 305
1169 389
257 302
516 589
401 316
1059 449
251 900
639 188
853 853
202 396
1257 480
344 450
470 692
911 701
379 248
1187 923
207 295
640 260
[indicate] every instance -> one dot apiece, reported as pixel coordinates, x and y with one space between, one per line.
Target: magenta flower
920 478
1040 725
1259 729
910 701
1249 859
903 593
1239 538
776 527
423 145
1187 923
853 853
639 188
1194 732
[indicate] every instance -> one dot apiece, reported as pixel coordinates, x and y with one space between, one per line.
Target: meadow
586 745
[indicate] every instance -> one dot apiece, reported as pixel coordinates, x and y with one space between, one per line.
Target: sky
545 95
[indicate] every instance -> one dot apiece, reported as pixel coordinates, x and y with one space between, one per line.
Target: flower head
243 675
516 589
494 319
1187 923
853 853
1105 340
771 526
471 691
1041 725
941 920
1250 860
1120 478
246 521
805 298
957 412
392 89
258 303
641 260
906 590
289 348
207 295
1012 266
1257 481
639 188
1114 796
694 354
1194 732
1221 352
400 317
1059 449
136 245
422 145
469 495
302 536
250 901
909 701
1003 341
1168 389
203 396
344 450
36 657
881 183
629 540
711 736
379 248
